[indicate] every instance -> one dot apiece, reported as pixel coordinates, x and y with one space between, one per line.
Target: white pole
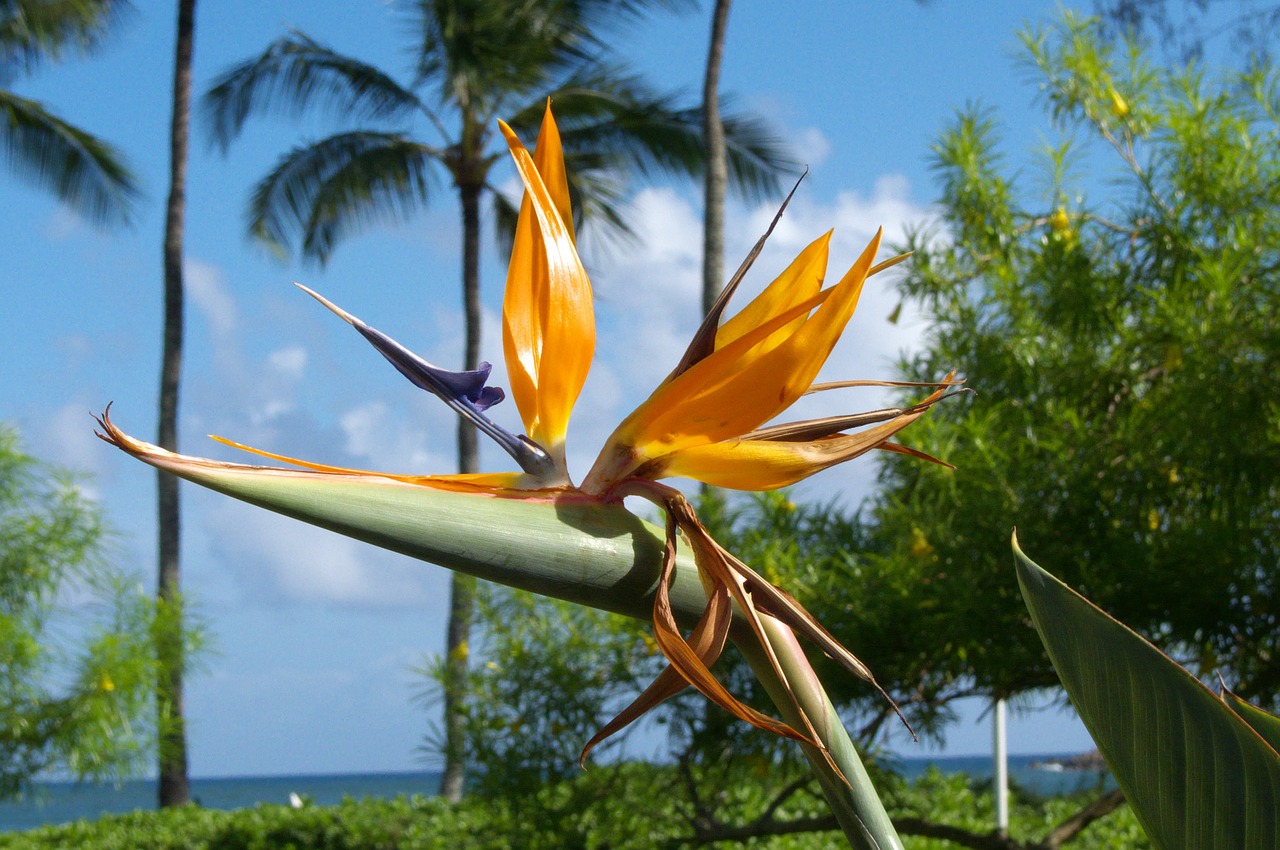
1000 767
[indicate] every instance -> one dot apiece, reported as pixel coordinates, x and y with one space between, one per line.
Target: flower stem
854 803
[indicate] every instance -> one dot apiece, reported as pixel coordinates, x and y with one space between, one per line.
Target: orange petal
548 157
763 464
800 281
707 641
548 324
738 387
506 481
781 455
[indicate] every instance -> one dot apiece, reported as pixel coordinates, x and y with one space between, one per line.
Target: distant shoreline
1034 760
1091 762
63 801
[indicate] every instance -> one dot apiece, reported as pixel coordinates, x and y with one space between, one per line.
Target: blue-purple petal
465 392
445 383
488 397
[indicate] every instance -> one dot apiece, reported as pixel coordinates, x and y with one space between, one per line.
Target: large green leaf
1196 775
1265 724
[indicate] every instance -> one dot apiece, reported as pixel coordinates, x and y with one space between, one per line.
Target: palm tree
84 172
173 787
717 169
475 61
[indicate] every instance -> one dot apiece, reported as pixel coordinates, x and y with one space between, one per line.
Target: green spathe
598 555
554 542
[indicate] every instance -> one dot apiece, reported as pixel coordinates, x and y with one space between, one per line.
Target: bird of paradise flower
706 421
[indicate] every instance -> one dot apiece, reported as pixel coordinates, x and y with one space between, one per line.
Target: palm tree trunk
468 460
173 787
462 590
717 175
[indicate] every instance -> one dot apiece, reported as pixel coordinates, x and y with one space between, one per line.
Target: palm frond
607 111
757 156
36 30
294 74
600 16
84 172
478 52
600 197
320 193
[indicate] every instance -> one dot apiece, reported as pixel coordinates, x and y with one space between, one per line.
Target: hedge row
416 823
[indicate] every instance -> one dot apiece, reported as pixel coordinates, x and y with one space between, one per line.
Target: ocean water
1036 780
62 802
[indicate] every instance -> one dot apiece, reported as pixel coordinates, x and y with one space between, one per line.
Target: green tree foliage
77 666
1189 29
83 171
635 814
1114 305
544 676
550 674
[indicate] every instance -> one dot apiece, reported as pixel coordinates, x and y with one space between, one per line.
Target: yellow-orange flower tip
548 315
509 134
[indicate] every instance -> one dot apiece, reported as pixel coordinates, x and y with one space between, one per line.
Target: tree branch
710 833
957 835
1074 825
708 830
784 795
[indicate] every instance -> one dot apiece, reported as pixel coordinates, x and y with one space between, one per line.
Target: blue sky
315 634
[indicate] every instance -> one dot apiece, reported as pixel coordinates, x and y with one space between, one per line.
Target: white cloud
811 147
288 362
670 228
280 559
63 224
399 442
208 288
648 301
68 439
854 217
360 424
